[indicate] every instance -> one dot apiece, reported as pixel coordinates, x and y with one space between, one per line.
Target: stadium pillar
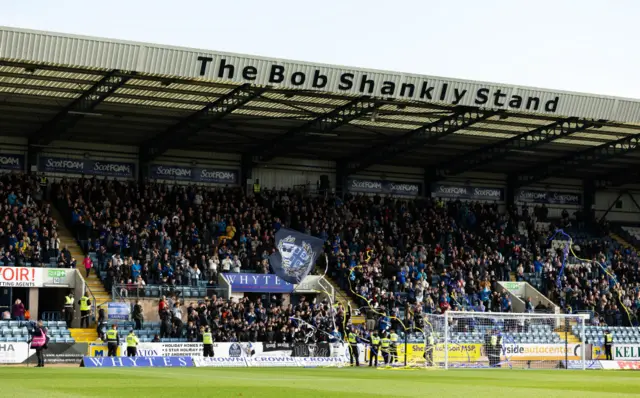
32 158
510 199
430 177
589 195
143 166
246 171
341 178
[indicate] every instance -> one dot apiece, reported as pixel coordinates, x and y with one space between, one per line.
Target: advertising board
541 352
13 352
20 277
136 362
118 311
626 352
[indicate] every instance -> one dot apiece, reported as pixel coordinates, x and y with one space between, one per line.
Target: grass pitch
290 382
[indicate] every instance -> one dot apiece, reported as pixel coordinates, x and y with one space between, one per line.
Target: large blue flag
297 254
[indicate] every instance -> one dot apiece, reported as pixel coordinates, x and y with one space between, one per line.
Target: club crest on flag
296 255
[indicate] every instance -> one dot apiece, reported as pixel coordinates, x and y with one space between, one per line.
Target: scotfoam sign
549 197
194 174
11 162
466 192
105 168
60 165
384 187
108 168
216 176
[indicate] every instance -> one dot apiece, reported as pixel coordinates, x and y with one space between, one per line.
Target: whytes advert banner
107 168
384 187
468 192
194 174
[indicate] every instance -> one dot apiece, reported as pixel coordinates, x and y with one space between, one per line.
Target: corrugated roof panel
577 142
506 129
164 95
161 104
37 93
483 134
593 136
381 124
274 114
67 75
32 83
88 52
297 109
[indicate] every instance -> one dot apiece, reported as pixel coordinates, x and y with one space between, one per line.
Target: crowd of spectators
248 320
423 255
28 232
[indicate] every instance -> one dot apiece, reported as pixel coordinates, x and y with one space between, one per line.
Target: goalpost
459 339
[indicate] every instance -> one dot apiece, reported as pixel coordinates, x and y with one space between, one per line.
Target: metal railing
127 291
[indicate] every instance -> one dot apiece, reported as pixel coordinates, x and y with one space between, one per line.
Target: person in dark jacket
39 342
138 316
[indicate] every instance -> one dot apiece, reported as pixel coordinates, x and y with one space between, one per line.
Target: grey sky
581 45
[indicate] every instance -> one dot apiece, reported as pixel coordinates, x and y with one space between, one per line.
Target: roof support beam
80 107
323 124
592 155
459 120
501 149
205 117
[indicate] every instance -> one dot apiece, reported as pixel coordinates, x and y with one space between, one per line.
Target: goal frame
559 319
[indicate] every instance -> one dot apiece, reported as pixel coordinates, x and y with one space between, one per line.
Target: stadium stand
427 255
443 255
17 331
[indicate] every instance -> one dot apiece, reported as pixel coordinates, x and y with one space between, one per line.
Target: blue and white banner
467 192
119 311
272 361
106 168
220 362
384 187
297 254
257 283
137 362
588 364
194 174
549 197
12 161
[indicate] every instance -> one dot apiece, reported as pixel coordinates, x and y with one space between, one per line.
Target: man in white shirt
226 264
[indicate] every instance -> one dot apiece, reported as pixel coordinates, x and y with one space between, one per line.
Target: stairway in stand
94 284
623 242
570 337
89 335
341 297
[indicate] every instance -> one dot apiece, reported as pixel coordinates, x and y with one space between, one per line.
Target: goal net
496 340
